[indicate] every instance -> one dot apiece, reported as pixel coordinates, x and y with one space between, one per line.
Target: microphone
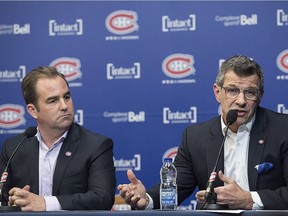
30 132
210 196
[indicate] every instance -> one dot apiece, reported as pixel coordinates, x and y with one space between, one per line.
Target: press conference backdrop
139 71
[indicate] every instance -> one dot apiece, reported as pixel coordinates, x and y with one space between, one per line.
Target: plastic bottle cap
167 160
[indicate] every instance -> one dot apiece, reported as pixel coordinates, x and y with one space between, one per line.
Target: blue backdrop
139 71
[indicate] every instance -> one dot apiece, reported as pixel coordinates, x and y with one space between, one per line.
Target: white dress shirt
236 158
47 163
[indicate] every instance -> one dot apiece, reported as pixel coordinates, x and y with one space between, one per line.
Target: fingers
133 193
131 176
200 196
224 178
19 196
26 187
127 191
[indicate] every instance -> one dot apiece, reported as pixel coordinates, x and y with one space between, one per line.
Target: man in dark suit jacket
65 166
255 158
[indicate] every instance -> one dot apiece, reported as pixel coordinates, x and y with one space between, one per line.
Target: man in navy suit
65 166
253 170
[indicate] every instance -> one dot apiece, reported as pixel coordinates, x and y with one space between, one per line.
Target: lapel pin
68 153
261 141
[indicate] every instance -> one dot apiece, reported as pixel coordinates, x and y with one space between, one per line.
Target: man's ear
31 109
217 92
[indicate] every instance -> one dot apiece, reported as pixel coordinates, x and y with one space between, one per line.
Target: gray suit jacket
200 146
83 179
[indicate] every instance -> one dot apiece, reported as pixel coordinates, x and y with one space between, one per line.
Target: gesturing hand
134 193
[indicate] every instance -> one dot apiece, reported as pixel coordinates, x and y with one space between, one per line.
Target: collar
58 141
247 126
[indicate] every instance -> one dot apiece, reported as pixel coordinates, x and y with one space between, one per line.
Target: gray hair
243 67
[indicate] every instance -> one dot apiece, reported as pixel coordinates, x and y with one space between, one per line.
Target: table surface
156 212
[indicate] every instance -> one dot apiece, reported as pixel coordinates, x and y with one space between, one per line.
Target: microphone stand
210 195
4 195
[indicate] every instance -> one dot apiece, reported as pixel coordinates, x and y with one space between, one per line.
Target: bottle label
168 197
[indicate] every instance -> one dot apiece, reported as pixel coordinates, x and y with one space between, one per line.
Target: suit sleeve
277 197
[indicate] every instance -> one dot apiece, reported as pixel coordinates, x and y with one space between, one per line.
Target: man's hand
134 193
231 193
26 200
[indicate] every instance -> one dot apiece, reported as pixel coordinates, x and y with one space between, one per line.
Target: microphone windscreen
231 116
30 132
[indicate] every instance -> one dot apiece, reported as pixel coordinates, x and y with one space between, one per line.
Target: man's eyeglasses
249 94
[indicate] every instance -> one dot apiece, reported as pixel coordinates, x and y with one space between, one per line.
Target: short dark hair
243 67
30 81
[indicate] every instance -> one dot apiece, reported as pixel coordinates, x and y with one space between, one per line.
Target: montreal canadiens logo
178 65
170 153
11 116
122 22
70 67
282 61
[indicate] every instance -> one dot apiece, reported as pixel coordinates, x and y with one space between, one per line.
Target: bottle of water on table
168 186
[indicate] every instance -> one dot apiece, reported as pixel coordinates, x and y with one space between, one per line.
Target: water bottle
168 186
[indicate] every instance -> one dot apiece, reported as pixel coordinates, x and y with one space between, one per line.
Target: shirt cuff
150 202
257 202
52 203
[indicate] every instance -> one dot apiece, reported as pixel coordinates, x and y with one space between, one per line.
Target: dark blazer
84 176
200 146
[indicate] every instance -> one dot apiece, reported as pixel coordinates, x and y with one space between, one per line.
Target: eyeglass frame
245 91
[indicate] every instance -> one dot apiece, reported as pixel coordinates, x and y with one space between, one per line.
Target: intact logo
178 66
56 29
78 117
170 117
133 72
179 25
70 67
170 153
282 18
122 22
282 109
125 164
11 116
13 75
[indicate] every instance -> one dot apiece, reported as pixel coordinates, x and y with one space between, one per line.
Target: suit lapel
256 147
32 146
66 153
214 143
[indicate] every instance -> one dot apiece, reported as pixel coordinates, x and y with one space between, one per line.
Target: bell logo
133 117
17 29
244 20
